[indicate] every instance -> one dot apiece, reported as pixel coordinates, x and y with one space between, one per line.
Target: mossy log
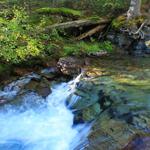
78 23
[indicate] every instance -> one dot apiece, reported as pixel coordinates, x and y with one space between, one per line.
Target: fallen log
91 32
77 23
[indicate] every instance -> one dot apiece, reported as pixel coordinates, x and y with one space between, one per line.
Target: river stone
70 65
50 73
100 53
42 87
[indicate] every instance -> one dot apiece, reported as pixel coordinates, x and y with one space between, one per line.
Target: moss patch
122 21
62 11
82 48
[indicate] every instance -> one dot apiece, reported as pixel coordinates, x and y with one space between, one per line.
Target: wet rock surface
118 103
41 87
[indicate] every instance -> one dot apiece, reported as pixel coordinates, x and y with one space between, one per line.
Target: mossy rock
122 21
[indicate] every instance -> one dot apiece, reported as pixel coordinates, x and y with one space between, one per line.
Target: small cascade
12 89
49 126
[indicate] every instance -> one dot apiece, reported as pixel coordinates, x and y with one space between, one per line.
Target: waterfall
46 125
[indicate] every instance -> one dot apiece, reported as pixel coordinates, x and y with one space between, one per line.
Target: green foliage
107 6
107 45
82 48
100 7
18 40
61 11
44 21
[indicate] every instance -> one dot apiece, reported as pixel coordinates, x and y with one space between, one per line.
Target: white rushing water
47 126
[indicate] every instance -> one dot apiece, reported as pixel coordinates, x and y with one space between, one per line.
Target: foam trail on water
47 126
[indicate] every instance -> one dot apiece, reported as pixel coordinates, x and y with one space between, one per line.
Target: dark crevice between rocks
104 102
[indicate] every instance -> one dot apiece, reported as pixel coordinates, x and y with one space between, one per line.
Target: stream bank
113 92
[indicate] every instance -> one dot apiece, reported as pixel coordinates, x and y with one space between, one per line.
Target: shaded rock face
133 45
70 65
140 48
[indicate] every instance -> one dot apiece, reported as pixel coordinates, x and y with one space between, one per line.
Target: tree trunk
134 10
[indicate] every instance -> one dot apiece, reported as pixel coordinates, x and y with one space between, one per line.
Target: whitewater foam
48 126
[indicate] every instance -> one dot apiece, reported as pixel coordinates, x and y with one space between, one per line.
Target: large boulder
70 65
118 106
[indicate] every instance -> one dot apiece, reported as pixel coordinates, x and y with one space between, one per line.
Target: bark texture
135 9
78 23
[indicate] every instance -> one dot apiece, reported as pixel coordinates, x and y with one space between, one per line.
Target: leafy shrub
101 7
18 41
107 6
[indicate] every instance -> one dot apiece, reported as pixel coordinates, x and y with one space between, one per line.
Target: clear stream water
39 124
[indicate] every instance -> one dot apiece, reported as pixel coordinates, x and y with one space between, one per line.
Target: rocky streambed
112 95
